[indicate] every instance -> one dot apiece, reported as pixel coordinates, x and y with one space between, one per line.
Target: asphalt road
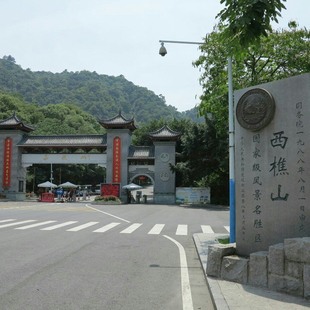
83 256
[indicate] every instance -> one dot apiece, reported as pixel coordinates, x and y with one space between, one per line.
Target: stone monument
272 163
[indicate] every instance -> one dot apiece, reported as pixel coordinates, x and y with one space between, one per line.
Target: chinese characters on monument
271 164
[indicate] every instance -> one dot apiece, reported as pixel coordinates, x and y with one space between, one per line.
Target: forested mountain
53 119
100 95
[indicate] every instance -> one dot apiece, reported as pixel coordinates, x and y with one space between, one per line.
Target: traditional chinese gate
123 161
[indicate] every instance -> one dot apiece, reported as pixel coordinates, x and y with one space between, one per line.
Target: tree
284 53
245 22
201 157
9 58
202 160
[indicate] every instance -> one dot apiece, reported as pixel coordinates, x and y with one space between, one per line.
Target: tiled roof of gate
13 122
118 121
141 152
165 133
64 141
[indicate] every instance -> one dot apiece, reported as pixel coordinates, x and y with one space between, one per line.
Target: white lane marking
131 228
16 223
35 225
186 287
156 230
106 227
119 218
77 228
181 230
207 229
227 228
59 225
9 220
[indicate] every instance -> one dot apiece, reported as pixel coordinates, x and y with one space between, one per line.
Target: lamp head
162 50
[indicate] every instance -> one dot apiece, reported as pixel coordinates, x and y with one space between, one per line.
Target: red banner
7 162
117 160
110 190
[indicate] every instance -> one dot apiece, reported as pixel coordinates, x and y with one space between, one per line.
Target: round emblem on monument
164 176
164 157
255 109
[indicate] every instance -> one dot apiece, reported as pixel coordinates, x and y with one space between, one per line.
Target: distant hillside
100 95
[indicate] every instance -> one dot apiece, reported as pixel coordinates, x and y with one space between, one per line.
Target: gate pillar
12 174
164 141
119 131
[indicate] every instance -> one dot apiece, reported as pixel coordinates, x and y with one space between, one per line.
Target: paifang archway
21 148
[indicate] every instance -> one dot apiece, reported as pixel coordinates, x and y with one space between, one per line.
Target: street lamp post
163 52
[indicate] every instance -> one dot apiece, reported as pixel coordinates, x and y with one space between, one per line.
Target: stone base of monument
284 268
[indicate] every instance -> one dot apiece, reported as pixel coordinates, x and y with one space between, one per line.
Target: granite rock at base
215 254
235 268
286 284
258 269
276 259
294 269
307 281
297 249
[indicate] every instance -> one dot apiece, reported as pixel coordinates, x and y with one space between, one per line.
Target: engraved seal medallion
255 109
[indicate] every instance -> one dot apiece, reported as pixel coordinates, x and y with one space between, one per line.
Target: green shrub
107 198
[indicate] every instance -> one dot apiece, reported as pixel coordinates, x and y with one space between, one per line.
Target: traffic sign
59 191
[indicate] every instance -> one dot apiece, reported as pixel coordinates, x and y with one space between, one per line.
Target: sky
118 37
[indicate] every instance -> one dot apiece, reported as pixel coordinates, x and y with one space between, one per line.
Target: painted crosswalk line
207 229
9 220
156 230
131 228
36 225
80 227
181 230
16 223
106 228
59 225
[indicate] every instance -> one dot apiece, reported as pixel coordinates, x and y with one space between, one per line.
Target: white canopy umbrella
132 186
68 185
47 184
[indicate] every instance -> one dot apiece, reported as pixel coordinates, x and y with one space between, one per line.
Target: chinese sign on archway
117 160
7 162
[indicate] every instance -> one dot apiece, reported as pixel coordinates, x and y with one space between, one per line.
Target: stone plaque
255 109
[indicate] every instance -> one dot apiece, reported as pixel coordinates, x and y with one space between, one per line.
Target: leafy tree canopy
245 22
284 53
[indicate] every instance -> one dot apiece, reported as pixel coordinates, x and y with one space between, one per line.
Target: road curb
218 299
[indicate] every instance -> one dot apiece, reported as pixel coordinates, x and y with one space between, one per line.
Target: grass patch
223 240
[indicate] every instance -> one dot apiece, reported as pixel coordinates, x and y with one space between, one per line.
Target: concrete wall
273 169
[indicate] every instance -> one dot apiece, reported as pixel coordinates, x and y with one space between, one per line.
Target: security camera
162 50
